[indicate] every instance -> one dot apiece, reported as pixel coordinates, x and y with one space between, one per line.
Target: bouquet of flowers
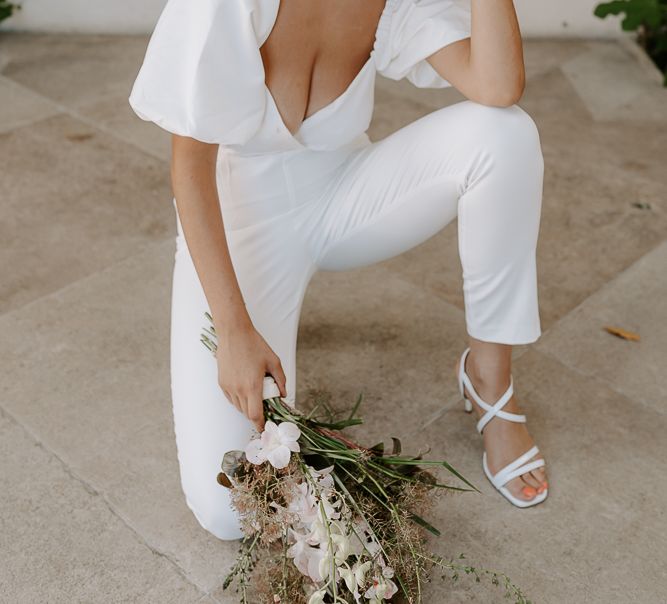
326 520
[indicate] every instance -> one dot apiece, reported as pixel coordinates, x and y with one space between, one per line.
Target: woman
274 178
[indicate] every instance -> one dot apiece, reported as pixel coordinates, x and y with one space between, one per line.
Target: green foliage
7 9
646 17
637 12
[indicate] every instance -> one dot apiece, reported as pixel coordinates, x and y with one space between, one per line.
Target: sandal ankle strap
491 410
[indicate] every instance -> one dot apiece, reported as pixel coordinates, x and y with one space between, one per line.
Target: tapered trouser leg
479 163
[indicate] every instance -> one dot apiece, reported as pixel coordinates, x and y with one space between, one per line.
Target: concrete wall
538 17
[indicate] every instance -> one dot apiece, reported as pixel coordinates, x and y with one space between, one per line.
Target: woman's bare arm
193 177
243 355
488 67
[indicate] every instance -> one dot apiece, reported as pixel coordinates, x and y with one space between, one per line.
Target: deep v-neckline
321 110
336 101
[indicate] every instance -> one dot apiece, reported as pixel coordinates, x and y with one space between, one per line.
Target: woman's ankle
490 375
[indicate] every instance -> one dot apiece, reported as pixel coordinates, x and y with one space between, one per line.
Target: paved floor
91 508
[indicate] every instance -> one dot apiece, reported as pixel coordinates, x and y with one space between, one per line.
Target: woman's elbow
504 94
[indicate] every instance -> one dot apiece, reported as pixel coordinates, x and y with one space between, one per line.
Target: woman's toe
520 489
541 478
528 492
531 480
540 475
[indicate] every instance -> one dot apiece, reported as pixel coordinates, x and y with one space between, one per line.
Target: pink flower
381 590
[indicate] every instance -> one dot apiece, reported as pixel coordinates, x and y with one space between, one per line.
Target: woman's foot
504 441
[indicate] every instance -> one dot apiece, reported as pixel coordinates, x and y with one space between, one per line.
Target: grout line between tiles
605 383
29 121
91 490
73 113
145 248
606 285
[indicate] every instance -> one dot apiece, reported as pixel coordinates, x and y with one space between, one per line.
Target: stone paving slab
73 70
64 544
113 114
599 537
635 301
21 106
74 201
609 67
362 332
108 335
89 76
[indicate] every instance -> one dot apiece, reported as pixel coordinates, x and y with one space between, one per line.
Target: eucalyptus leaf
231 462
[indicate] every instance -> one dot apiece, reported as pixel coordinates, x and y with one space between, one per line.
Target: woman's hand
244 358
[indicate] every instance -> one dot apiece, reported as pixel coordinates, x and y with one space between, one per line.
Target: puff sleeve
202 75
411 30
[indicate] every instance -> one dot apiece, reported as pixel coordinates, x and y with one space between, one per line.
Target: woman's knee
509 131
215 515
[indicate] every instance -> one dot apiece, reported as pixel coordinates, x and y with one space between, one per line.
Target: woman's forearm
488 67
496 51
193 174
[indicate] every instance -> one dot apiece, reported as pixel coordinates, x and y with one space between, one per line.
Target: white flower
317 597
269 388
323 478
324 567
303 505
363 542
343 546
306 558
328 509
274 445
318 533
314 557
355 577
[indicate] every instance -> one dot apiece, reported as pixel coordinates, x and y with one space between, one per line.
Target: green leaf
7 9
427 525
429 462
341 425
610 8
637 13
378 448
354 410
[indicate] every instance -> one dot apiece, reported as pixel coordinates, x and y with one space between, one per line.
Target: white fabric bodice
203 75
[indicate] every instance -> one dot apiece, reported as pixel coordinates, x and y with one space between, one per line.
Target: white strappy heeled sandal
519 466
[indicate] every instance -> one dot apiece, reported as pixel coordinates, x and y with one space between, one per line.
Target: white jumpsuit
327 198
